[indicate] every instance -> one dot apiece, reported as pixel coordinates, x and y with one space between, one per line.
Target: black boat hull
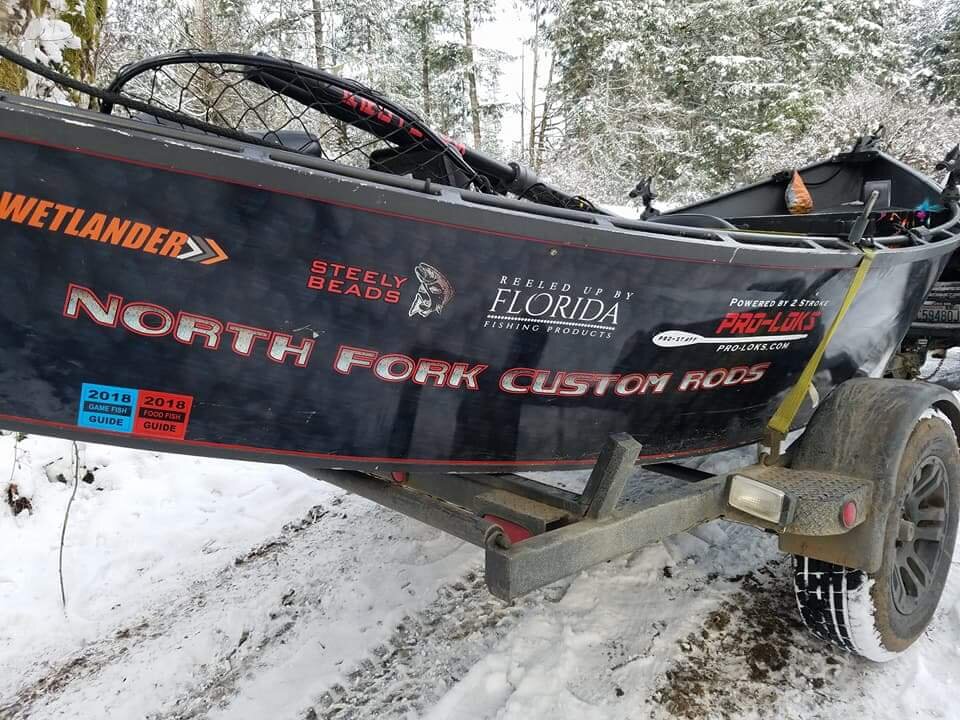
208 299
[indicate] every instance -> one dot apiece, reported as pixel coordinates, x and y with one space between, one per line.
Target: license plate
939 314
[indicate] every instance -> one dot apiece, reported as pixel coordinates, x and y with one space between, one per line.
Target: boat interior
840 189
322 117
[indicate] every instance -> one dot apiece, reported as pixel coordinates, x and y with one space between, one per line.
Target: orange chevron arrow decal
219 255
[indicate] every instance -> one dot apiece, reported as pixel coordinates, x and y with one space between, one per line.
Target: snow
45 39
146 520
859 618
215 589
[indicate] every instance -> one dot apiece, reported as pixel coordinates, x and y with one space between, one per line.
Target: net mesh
298 109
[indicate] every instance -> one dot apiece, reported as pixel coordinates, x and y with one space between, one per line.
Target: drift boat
241 256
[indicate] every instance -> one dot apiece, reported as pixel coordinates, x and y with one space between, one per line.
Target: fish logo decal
435 291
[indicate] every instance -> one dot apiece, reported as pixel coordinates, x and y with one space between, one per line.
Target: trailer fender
861 430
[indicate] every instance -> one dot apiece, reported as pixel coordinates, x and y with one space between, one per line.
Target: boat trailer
535 534
819 502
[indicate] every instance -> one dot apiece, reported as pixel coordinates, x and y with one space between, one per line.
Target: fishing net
284 105
294 107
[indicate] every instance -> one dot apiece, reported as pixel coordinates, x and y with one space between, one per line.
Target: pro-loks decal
109 229
144 413
770 324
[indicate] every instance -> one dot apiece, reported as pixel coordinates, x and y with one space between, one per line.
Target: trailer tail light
848 514
755 498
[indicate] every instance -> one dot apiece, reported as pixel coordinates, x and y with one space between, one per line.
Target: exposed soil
17 502
746 653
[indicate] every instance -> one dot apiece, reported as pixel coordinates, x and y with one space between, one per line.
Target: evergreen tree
44 31
690 90
944 57
748 70
424 22
444 76
916 130
612 113
539 120
138 29
222 25
86 19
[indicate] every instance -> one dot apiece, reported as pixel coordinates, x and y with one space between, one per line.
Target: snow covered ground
210 589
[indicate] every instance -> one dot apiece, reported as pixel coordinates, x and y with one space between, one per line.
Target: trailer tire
879 615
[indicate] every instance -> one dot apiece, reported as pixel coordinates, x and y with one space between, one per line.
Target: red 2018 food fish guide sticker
162 415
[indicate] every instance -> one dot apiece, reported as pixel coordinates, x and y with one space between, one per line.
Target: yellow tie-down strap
782 419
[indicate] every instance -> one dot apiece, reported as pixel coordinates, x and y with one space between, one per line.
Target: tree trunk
470 73
425 67
318 41
523 100
208 91
204 31
12 77
533 84
544 116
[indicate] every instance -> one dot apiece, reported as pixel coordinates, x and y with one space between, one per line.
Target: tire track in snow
428 652
595 640
465 600
654 635
287 614
206 597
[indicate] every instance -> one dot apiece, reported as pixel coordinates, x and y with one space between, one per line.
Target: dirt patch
16 501
746 654
716 621
288 532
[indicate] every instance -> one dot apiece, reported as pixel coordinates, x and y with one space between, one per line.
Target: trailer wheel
879 615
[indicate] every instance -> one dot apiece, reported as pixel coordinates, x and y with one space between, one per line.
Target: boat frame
258 166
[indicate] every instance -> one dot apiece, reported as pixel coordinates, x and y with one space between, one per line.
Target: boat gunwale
783 245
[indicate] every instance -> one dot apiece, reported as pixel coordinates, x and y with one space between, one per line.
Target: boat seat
832 221
422 164
296 140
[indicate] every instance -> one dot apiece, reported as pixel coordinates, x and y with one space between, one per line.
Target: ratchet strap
783 418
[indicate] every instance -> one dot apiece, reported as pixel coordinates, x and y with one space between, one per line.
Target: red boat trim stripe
349 458
412 218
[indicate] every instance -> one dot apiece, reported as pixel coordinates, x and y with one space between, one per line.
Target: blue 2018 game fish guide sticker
106 407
